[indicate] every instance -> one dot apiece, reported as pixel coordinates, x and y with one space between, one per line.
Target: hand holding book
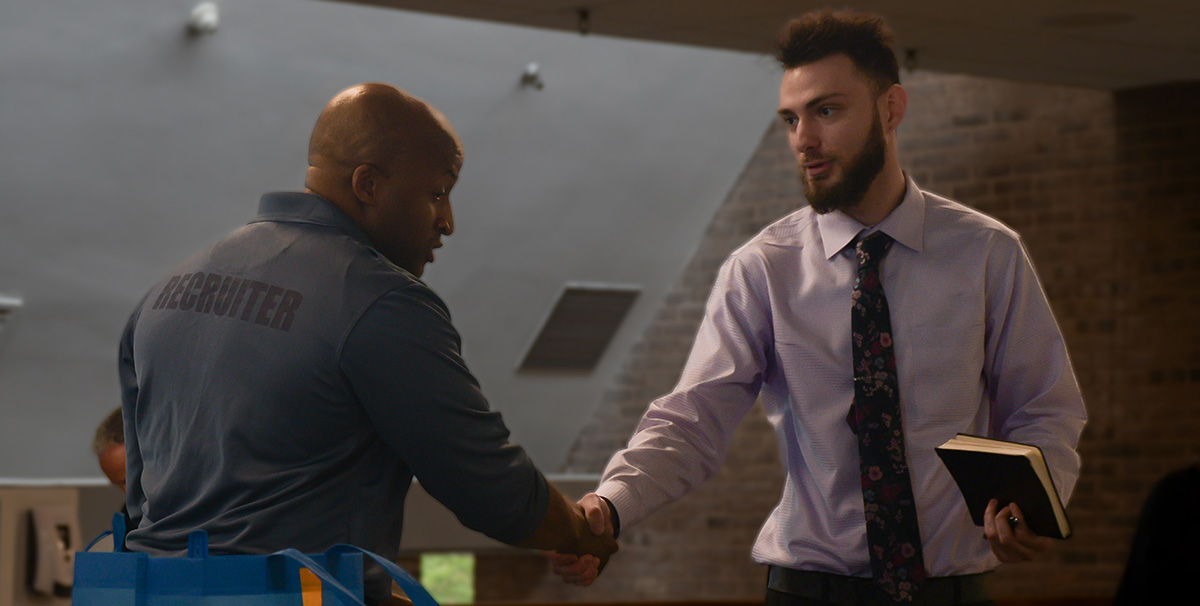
1009 535
1007 473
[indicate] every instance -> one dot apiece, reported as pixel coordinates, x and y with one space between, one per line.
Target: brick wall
1103 188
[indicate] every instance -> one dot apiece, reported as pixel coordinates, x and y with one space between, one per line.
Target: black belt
848 591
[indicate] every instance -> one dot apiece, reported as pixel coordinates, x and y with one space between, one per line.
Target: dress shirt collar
905 224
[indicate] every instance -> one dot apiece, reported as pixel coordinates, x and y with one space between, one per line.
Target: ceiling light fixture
204 19
532 77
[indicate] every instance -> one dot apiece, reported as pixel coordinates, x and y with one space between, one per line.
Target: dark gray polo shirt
282 388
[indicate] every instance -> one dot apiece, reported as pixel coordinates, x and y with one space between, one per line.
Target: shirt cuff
613 516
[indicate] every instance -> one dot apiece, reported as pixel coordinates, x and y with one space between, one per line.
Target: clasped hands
582 570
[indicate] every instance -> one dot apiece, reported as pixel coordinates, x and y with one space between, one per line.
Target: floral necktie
893 537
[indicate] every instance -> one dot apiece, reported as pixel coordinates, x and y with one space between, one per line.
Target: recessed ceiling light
1088 19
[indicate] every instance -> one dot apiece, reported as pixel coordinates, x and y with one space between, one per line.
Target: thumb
597 521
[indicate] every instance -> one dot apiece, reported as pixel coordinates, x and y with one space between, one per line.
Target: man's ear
364 181
895 103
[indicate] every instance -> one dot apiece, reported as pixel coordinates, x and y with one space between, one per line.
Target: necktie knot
871 249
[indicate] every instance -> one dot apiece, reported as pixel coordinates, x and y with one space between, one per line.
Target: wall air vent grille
580 327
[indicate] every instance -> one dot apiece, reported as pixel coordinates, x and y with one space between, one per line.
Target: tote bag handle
327 580
198 547
117 533
412 588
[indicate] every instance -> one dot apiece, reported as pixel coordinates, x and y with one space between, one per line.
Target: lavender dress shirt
978 351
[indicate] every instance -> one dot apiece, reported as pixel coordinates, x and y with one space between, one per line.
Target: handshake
581 561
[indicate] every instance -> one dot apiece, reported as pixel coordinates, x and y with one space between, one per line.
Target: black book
1009 472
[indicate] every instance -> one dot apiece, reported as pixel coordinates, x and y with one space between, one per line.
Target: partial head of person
109 448
841 100
388 160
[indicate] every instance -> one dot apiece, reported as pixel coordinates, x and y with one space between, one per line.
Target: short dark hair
110 433
862 37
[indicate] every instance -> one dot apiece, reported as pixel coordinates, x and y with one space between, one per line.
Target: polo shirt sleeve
403 361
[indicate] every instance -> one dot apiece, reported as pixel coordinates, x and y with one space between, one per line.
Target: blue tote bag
283 578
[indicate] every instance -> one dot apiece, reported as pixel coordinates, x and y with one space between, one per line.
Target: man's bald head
375 124
388 161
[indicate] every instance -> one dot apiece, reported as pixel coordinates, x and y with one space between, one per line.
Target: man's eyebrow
783 111
822 99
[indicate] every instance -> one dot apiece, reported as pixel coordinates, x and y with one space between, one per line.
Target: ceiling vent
579 328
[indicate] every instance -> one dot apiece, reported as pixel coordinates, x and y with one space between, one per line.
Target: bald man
283 387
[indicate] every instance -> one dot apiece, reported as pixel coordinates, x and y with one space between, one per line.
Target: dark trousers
787 587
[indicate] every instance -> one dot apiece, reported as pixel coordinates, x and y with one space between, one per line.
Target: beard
857 177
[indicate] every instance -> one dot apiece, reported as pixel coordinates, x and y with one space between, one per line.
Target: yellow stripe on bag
310 588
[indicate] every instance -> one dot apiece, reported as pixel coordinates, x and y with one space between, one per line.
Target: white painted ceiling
1107 44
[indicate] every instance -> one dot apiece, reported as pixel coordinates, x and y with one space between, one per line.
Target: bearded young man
874 325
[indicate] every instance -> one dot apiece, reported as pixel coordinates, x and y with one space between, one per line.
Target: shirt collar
905 224
298 207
